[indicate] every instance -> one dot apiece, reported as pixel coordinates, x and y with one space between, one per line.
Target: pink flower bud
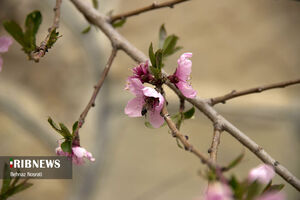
142 73
263 173
78 154
218 191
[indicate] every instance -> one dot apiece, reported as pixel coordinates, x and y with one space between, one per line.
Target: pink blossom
5 42
181 76
142 73
218 191
147 100
272 196
78 154
263 173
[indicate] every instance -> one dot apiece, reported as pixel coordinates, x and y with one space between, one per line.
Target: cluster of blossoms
5 43
147 99
78 154
262 174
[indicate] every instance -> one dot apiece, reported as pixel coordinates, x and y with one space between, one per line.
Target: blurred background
235 45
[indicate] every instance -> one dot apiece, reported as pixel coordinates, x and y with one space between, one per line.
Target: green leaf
235 162
119 23
53 38
15 181
152 56
95 4
179 122
268 186
237 187
169 46
66 146
158 59
15 31
32 24
189 114
19 188
253 190
148 125
54 125
65 130
276 187
178 143
74 127
162 35
86 30
6 179
177 119
155 71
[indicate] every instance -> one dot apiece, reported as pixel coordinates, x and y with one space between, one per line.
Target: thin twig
184 141
234 94
101 21
91 103
181 110
42 49
213 150
138 11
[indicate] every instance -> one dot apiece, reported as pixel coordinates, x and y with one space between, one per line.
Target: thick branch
42 49
138 11
97 88
234 94
101 21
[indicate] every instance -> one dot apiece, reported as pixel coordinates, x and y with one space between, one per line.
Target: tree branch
101 21
138 11
183 140
213 150
42 49
91 103
234 94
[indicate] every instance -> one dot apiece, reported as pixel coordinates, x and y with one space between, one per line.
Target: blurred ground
236 45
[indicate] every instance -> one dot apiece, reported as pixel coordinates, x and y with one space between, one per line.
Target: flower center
150 104
173 79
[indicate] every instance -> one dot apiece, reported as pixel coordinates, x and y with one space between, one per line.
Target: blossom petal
218 191
184 68
263 173
77 160
186 89
5 43
156 119
90 156
79 152
60 152
134 107
150 92
135 86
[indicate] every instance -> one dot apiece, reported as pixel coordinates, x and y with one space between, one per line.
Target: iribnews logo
34 163
37 167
